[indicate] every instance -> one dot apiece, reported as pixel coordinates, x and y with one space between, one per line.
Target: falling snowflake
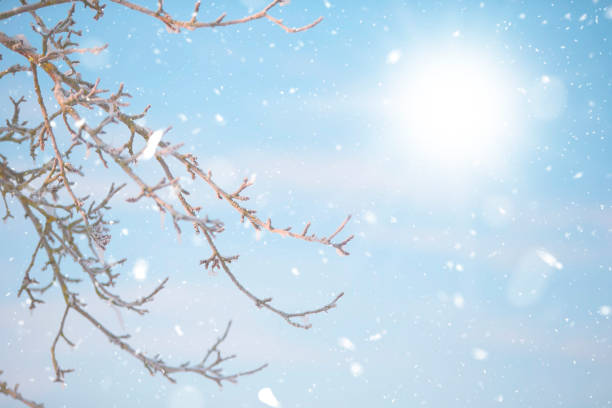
152 144
458 301
266 396
370 217
140 269
479 354
549 259
356 369
394 56
346 344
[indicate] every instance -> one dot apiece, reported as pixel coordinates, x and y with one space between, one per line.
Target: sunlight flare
456 110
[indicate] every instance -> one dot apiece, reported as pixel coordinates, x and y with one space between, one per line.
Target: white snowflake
266 396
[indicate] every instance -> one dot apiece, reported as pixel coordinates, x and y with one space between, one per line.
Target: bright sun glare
457 112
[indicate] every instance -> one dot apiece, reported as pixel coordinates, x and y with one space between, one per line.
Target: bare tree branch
15 394
76 229
172 24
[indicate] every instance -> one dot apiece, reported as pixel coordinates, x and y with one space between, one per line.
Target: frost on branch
74 229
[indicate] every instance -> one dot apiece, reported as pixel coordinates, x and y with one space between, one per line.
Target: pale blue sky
482 266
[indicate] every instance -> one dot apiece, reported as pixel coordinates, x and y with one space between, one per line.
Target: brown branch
245 213
31 7
279 22
60 231
68 296
153 364
63 53
59 372
13 70
58 154
16 395
257 223
265 303
157 365
174 25
27 280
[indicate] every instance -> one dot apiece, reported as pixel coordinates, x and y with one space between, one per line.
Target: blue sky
470 141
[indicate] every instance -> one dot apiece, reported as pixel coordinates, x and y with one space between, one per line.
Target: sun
456 110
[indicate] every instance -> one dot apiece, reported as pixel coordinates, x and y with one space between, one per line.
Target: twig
16 395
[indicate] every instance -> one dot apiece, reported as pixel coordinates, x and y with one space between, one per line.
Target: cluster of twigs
75 228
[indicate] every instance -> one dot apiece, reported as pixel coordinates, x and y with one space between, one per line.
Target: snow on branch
74 229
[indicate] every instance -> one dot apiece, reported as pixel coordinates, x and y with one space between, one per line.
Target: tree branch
16 395
75 229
